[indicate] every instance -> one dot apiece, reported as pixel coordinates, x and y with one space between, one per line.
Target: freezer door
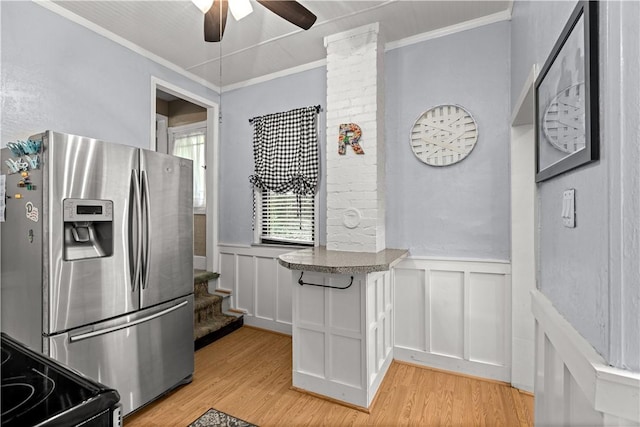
21 275
89 283
167 193
141 355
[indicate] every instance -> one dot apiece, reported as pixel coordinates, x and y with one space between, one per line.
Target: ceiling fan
215 14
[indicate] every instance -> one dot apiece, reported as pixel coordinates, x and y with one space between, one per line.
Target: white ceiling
263 43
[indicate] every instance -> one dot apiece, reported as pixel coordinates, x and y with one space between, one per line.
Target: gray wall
457 211
460 210
61 76
590 273
236 145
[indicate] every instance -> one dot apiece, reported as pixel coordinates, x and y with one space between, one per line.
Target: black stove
38 391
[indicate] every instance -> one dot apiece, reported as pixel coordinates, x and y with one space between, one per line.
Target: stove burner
5 356
14 396
36 390
24 392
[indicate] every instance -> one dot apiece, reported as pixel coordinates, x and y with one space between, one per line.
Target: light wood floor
247 374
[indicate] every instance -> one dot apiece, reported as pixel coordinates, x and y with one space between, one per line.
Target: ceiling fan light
203 5
240 8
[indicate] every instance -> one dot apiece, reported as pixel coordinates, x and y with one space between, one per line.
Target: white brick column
355 183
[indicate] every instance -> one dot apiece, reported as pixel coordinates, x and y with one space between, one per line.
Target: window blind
287 218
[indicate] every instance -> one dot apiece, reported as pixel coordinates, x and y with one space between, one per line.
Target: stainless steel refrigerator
97 260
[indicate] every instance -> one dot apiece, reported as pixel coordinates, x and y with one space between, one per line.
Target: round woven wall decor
443 135
563 121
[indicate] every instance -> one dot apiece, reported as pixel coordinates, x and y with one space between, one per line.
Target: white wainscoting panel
246 289
412 302
488 321
260 286
454 315
574 386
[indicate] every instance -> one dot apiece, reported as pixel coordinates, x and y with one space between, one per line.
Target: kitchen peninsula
342 321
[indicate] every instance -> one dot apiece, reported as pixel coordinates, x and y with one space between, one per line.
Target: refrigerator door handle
147 231
138 236
104 331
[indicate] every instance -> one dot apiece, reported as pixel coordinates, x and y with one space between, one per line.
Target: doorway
184 124
523 237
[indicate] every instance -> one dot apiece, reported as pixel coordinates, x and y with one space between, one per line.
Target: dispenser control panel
87 210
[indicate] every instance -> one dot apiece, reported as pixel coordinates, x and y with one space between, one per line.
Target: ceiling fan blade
215 20
292 11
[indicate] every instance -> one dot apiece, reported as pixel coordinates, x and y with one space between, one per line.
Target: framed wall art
567 97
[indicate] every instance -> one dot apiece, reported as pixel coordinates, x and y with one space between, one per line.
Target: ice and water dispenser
88 228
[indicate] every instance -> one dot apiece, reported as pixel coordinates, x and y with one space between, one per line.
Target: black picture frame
566 97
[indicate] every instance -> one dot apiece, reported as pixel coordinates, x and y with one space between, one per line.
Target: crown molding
504 15
464 26
65 13
289 71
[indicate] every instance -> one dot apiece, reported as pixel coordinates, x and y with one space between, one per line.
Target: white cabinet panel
310 349
311 305
346 360
355 353
345 304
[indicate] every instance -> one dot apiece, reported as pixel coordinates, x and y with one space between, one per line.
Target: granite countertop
321 260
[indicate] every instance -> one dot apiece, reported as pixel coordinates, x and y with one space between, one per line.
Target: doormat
215 418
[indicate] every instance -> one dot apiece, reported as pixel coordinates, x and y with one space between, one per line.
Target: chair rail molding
574 385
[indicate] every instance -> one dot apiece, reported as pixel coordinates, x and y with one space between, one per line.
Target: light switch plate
569 208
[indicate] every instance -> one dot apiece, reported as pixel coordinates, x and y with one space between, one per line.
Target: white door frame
524 241
213 133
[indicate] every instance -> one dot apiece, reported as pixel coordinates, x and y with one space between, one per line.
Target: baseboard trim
274 326
456 373
528 393
452 364
331 399
271 331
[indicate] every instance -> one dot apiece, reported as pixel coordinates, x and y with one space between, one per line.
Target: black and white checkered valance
285 151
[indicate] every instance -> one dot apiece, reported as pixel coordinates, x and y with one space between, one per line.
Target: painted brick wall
355 183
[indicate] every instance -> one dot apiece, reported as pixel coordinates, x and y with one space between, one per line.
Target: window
189 142
285 218
285 179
